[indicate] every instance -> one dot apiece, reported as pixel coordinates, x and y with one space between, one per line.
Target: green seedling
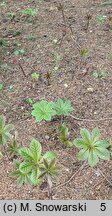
63 107
13 148
29 101
95 74
31 37
1 155
56 69
43 111
84 53
3 4
19 52
29 12
14 33
30 170
10 88
1 86
100 19
4 43
63 132
11 15
92 147
21 177
108 3
101 75
35 76
57 57
49 172
5 135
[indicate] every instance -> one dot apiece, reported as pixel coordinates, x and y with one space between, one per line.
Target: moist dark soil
90 96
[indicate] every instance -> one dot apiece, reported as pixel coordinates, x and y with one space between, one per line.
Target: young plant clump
45 110
34 166
92 147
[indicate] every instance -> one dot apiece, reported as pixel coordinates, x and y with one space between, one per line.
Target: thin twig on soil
68 181
92 120
105 177
21 68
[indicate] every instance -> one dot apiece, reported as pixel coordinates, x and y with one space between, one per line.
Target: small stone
47 137
65 85
97 173
90 89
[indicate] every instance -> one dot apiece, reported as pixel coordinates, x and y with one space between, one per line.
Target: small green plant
11 15
1 86
5 135
100 19
13 149
57 57
107 3
19 52
63 107
31 169
35 76
101 75
43 111
63 132
92 147
14 33
3 4
29 12
29 100
4 43
84 53
21 177
31 37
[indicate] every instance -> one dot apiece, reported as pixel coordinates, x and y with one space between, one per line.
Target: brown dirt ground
78 76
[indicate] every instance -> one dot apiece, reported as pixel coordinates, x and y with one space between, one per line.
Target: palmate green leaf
26 167
102 153
102 143
35 177
5 136
43 111
1 155
15 173
49 169
36 150
83 154
92 158
26 154
86 136
2 122
20 181
63 107
80 143
92 148
95 134
50 155
29 12
68 143
16 163
8 128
